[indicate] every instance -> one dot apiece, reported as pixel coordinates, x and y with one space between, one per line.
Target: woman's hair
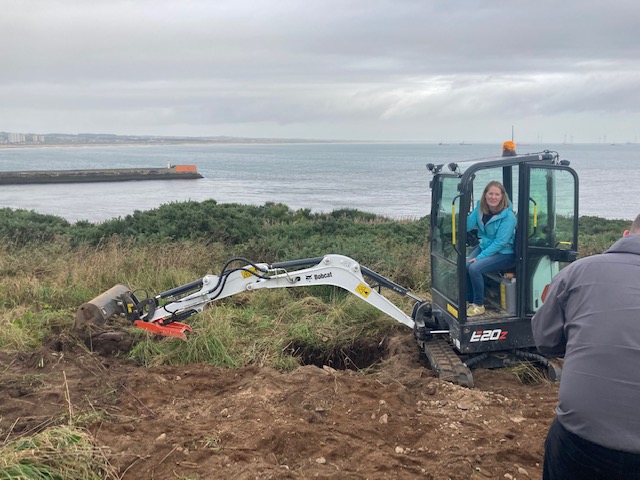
504 202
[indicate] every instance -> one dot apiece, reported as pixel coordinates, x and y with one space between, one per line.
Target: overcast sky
397 70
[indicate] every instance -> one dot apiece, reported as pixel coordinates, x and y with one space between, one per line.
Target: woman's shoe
475 310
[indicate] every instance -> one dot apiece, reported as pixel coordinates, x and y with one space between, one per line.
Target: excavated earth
394 420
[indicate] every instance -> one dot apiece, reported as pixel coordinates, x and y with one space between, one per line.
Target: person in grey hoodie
591 317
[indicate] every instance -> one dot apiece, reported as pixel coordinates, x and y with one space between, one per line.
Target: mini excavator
544 194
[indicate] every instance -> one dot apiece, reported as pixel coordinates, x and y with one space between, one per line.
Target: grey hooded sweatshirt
592 317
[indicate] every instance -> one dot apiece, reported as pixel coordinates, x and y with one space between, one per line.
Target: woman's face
493 197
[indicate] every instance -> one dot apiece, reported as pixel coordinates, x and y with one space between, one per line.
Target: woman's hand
473 260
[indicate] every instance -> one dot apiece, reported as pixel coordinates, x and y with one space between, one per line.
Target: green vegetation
596 234
57 453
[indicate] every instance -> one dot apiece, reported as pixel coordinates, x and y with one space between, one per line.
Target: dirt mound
201 422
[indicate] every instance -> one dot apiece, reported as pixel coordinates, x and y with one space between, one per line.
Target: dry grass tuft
528 373
56 453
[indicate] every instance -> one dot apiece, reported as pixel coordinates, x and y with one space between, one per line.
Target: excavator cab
543 191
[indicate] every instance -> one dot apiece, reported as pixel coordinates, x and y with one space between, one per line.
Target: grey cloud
305 65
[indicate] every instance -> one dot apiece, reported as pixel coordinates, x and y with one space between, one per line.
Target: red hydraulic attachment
175 329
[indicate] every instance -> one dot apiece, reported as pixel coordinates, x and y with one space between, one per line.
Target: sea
389 179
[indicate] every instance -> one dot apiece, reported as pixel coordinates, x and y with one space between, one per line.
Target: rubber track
446 362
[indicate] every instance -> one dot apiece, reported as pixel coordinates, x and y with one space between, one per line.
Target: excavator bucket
120 301
103 307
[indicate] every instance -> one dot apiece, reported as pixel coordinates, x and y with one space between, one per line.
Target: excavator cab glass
543 192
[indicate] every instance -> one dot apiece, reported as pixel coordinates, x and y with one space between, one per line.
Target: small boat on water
171 172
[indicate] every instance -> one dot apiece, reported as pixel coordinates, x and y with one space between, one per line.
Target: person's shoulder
581 264
627 244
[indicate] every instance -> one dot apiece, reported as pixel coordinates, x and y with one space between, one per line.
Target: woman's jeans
475 281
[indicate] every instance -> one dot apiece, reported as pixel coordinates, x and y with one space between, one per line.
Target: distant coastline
32 140
133 144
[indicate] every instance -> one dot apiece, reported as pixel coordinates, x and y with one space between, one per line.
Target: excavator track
446 362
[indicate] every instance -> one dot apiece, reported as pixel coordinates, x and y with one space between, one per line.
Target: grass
57 453
275 329
210 342
23 328
41 293
528 373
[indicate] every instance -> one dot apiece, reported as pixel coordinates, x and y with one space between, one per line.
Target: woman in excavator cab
496 224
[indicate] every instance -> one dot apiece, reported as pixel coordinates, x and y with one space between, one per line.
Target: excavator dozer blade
175 329
103 307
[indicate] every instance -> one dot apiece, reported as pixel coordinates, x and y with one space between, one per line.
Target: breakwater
182 172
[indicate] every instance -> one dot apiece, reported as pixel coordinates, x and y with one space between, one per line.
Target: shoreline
192 143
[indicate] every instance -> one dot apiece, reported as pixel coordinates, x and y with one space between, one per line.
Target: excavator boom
163 313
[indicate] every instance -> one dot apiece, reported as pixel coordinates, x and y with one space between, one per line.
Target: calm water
387 179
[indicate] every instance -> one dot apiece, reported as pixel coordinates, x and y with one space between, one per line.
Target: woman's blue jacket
498 235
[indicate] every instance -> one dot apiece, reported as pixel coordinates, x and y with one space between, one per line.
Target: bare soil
199 422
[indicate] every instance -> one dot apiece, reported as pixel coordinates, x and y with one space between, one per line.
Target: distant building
16 138
21 138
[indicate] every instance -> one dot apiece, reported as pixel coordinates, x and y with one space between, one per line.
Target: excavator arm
163 313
